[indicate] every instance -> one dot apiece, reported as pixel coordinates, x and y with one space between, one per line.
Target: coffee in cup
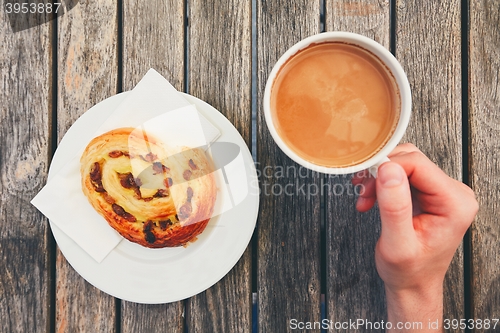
336 102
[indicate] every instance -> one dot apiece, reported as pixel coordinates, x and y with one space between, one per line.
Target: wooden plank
432 62
152 317
160 25
87 74
220 74
153 37
25 78
370 18
353 287
288 258
220 58
484 88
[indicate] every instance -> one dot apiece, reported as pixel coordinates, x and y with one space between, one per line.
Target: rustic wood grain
370 18
353 287
152 317
288 258
428 45
484 99
153 37
87 74
220 58
220 74
25 108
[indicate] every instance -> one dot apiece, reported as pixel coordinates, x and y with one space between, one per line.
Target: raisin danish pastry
150 194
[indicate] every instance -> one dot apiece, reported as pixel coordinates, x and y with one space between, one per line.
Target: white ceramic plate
138 274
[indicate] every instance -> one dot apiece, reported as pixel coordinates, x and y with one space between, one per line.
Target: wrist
419 305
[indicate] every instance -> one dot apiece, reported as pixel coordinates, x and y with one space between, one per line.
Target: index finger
404 148
422 173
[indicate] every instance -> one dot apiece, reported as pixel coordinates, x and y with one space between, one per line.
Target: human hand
424 215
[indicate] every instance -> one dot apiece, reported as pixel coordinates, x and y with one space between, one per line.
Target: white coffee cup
390 62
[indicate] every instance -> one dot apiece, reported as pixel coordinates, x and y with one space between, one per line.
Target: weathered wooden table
312 255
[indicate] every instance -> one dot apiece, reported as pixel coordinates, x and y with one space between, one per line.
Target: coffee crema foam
335 104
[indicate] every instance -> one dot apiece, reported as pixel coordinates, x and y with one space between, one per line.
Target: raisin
161 193
99 188
115 154
118 209
150 157
138 181
95 172
187 174
127 180
157 168
148 234
164 224
185 211
168 182
95 177
129 217
192 165
148 226
189 194
121 212
149 237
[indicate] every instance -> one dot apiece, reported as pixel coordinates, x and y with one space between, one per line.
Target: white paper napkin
157 107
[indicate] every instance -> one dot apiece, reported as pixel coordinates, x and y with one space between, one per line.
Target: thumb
394 201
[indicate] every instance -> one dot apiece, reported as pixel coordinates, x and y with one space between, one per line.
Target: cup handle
373 170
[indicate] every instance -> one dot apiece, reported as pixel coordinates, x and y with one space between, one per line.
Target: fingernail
391 175
360 202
